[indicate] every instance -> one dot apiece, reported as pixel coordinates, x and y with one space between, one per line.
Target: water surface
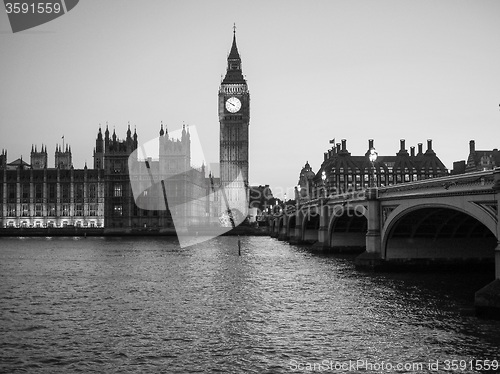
118 305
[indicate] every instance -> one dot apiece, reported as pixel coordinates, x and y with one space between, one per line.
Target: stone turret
63 159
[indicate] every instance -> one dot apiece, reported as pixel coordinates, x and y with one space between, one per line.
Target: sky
316 70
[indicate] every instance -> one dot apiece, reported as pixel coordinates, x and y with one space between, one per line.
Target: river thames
130 305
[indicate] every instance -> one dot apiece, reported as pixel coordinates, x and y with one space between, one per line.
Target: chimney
429 144
326 156
344 145
472 146
420 145
370 143
412 151
402 145
337 147
458 167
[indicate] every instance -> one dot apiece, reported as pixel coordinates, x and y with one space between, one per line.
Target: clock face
233 104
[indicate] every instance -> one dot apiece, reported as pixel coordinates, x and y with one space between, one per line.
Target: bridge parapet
469 183
332 200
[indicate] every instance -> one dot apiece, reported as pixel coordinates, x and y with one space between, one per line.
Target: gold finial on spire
234 28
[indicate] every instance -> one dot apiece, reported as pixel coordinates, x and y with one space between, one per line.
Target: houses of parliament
35 195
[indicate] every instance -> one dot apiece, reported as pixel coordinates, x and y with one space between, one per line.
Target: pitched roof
18 162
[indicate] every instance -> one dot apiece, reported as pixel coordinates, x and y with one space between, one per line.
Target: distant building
481 159
306 185
261 199
341 172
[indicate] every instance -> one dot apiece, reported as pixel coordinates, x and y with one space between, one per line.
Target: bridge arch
347 228
283 227
273 227
292 222
310 226
439 231
280 220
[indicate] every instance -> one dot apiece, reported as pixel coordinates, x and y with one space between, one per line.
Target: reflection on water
145 305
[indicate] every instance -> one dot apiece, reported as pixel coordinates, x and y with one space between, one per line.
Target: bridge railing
332 199
314 205
479 180
483 180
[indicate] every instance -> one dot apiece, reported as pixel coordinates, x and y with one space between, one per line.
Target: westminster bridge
447 219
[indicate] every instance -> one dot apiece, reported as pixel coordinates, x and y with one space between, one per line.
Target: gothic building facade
32 195
36 196
111 157
166 182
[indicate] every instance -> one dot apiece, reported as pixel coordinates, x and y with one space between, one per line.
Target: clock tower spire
234 73
234 120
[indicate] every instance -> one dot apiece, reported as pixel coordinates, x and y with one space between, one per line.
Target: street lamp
372 157
323 177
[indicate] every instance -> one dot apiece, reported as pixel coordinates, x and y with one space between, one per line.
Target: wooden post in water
239 246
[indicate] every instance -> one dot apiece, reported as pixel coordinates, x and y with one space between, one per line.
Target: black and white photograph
231 186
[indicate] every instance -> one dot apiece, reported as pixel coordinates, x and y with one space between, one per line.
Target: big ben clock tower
234 118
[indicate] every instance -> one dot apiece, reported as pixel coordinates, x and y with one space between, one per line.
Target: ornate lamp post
372 157
323 177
